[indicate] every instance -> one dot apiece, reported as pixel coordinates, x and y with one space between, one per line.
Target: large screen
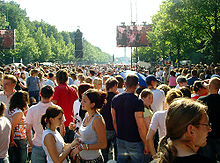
133 35
7 39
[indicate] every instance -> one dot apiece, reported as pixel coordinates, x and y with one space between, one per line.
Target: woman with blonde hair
187 128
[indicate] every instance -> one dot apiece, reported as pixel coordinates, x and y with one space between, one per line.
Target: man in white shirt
33 120
9 83
158 95
51 80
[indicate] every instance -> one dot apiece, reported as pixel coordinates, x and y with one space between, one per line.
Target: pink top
172 81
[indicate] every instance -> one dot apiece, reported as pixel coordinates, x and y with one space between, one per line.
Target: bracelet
79 148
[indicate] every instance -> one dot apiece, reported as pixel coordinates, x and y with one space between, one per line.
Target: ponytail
44 121
167 151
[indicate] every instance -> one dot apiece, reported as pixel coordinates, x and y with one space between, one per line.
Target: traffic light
78 44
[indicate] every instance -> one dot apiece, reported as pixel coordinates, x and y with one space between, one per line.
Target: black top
106 111
213 103
195 158
125 105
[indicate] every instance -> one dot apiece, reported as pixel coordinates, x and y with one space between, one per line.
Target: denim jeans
132 152
18 154
211 150
111 139
69 135
35 94
4 160
38 155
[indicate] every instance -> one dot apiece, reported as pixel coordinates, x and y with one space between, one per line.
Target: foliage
185 29
40 41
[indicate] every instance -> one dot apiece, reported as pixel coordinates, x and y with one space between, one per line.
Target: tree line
184 29
40 41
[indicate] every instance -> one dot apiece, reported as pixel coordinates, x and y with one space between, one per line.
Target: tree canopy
40 41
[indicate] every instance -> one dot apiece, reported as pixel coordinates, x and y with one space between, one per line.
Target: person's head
214 84
20 99
93 99
88 80
132 81
97 82
46 92
171 95
187 124
194 72
2 108
23 76
147 96
91 72
53 116
9 83
112 83
120 81
51 76
181 80
17 74
164 87
73 76
81 77
151 81
104 79
217 70
82 88
172 73
200 88
186 92
62 76
34 72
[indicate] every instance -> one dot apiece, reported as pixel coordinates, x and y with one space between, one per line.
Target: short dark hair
62 76
111 82
51 75
47 91
120 81
131 80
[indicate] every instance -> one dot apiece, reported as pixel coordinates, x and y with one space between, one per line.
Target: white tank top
89 136
59 144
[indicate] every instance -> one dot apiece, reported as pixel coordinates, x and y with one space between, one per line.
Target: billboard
7 39
133 35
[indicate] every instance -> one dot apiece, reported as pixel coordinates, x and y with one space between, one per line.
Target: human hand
146 150
72 126
74 152
75 142
12 143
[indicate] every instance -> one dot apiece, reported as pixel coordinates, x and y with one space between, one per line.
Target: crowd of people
94 114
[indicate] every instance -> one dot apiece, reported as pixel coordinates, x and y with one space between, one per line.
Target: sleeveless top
89 136
59 144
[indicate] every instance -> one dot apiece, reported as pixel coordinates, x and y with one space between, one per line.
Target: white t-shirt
158 100
5 132
33 118
59 144
6 100
76 108
158 122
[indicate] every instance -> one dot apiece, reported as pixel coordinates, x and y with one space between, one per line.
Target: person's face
183 84
201 132
23 76
98 85
154 84
8 85
203 91
86 103
58 120
148 100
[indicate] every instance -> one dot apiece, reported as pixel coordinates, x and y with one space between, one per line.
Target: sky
97 19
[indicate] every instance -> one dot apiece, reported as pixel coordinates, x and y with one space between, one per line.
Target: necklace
89 118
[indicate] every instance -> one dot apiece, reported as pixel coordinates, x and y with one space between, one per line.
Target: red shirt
65 97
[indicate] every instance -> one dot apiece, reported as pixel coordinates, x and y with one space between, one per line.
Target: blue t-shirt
32 83
125 105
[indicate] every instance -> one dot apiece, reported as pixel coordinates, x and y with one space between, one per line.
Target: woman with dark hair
92 131
200 89
187 128
52 142
17 110
79 114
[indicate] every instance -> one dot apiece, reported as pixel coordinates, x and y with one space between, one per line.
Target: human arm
28 134
150 142
114 119
50 143
16 118
139 117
